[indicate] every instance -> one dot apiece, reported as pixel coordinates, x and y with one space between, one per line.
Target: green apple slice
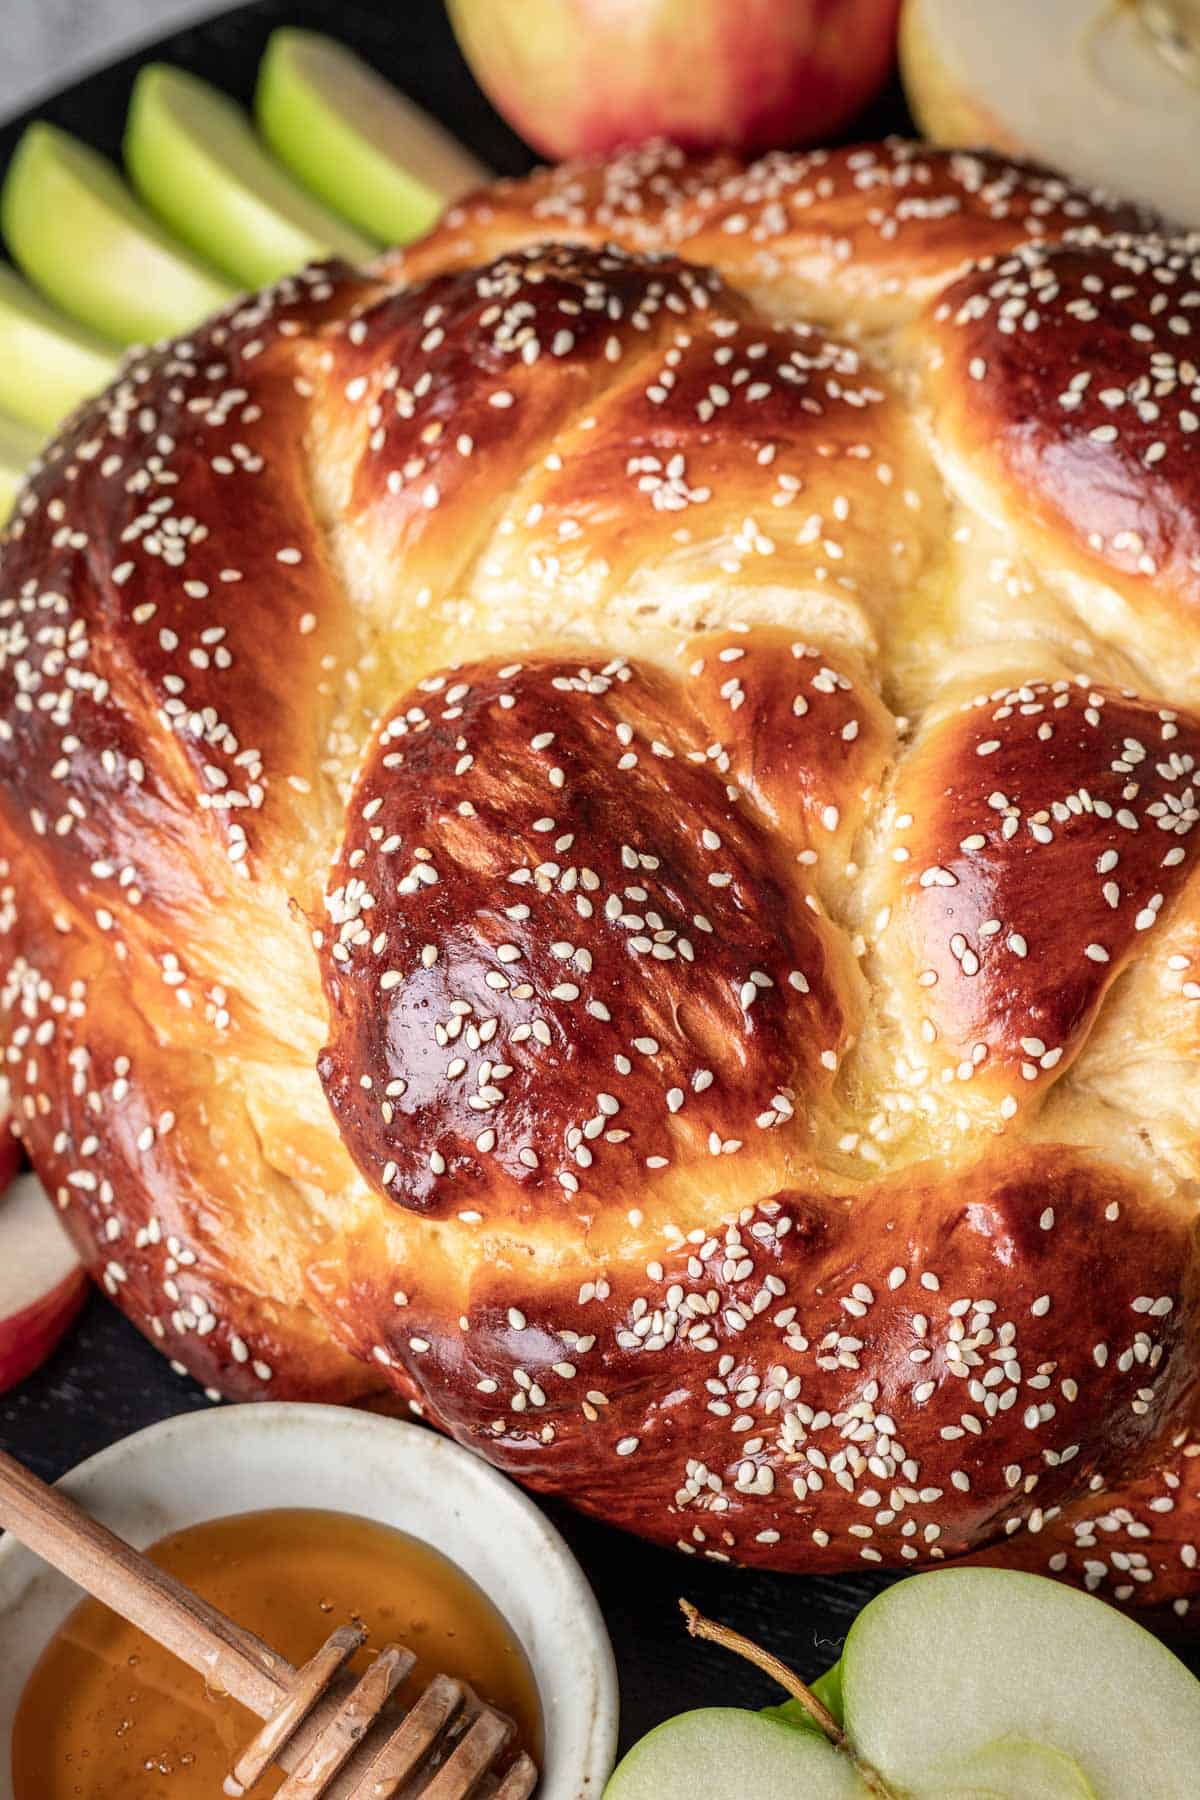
723 1754
80 236
949 1665
48 364
193 157
347 134
19 444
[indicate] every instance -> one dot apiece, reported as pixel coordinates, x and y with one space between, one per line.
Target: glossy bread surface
599 830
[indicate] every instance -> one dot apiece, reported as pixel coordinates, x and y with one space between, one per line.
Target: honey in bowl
108 1715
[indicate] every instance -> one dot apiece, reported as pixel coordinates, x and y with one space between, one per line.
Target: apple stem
728 1639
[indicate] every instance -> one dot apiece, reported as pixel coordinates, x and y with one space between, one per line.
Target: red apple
10 1148
42 1284
583 77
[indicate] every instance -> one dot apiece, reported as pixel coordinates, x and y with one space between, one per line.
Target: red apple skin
10 1155
28 1337
584 77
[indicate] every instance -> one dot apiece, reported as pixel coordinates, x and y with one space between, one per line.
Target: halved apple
1108 93
48 364
724 1754
81 237
193 157
19 444
959 1684
42 1283
351 138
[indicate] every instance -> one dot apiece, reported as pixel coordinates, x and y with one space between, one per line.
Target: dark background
106 1381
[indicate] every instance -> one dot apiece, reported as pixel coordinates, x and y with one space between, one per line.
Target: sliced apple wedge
42 1283
193 157
351 138
19 444
48 364
81 237
960 1684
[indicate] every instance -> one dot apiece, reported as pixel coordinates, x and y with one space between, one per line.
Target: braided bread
598 833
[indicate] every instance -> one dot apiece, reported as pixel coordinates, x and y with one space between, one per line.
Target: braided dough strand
598 844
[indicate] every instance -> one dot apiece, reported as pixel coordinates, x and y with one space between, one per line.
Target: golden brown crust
1069 376
879 225
1037 832
1137 1542
583 855
160 1175
893 1374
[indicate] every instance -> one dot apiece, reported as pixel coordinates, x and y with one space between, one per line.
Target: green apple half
960 1684
80 236
47 363
350 137
193 156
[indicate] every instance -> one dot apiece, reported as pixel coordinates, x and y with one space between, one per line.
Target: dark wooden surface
106 1381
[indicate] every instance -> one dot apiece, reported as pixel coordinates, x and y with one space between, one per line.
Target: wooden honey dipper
339 1737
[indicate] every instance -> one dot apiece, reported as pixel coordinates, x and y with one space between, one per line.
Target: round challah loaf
598 830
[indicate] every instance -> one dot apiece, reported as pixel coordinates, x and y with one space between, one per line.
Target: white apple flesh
583 77
48 364
42 1283
1007 1768
960 1684
1109 94
194 158
1004 1654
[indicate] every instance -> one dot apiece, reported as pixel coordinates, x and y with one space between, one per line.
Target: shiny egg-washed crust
598 844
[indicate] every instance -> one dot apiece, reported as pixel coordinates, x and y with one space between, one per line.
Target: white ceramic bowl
242 1458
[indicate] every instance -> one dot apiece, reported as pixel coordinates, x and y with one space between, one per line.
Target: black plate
106 1381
